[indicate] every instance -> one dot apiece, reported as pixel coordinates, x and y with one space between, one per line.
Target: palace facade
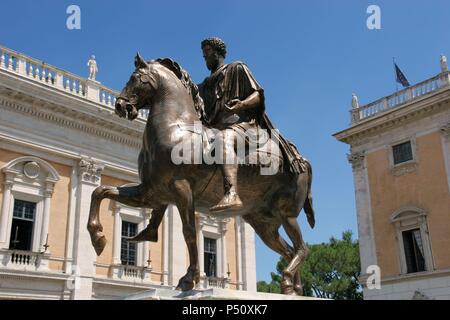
400 154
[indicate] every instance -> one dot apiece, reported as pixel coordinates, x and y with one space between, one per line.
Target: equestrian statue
230 103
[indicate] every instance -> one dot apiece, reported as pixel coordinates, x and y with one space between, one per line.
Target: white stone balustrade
24 260
422 89
131 273
214 282
39 71
108 97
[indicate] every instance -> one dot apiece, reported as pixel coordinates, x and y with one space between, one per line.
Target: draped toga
236 81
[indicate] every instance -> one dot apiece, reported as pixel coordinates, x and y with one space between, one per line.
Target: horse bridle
144 78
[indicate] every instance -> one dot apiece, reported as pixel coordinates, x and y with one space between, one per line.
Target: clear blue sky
309 56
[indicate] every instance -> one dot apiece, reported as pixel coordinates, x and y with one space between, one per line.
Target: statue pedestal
93 90
210 294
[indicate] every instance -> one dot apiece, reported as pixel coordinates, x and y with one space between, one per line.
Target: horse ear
139 62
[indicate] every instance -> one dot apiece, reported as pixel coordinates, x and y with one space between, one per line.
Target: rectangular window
210 257
128 249
414 254
22 225
402 152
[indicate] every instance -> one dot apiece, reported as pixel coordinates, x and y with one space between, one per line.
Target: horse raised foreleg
132 196
185 203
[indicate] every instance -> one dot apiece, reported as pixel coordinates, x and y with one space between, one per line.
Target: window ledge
404 168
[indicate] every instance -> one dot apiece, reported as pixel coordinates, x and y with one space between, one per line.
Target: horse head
139 90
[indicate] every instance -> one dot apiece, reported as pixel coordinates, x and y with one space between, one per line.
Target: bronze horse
270 201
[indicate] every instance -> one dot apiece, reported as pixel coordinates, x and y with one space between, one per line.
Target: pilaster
89 175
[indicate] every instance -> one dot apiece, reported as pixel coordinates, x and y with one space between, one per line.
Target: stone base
210 294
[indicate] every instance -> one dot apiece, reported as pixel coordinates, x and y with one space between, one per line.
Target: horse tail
308 205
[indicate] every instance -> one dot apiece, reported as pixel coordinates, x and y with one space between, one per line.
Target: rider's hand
235 105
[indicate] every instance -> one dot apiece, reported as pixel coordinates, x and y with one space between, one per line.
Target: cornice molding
71 119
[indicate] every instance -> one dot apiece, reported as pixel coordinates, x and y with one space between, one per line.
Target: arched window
413 240
25 213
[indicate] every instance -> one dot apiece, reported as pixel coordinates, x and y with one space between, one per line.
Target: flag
401 77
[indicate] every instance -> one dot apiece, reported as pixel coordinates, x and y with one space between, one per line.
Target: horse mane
186 80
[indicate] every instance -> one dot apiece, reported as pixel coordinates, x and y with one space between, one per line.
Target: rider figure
234 102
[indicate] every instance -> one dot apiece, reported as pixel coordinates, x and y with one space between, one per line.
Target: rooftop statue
443 62
93 69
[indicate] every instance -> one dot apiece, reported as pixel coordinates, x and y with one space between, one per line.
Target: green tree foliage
331 270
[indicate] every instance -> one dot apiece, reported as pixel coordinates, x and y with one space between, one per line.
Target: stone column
46 216
223 249
84 255
364 211
165 243
248 257
117 234
146 245
239 269
201 245
177 247
5 214
445 130
71 220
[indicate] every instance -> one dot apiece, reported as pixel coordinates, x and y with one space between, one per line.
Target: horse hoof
184 285
99 244
298 290
146 235
289 291
287 288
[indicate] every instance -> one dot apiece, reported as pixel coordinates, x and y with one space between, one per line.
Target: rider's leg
231 200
